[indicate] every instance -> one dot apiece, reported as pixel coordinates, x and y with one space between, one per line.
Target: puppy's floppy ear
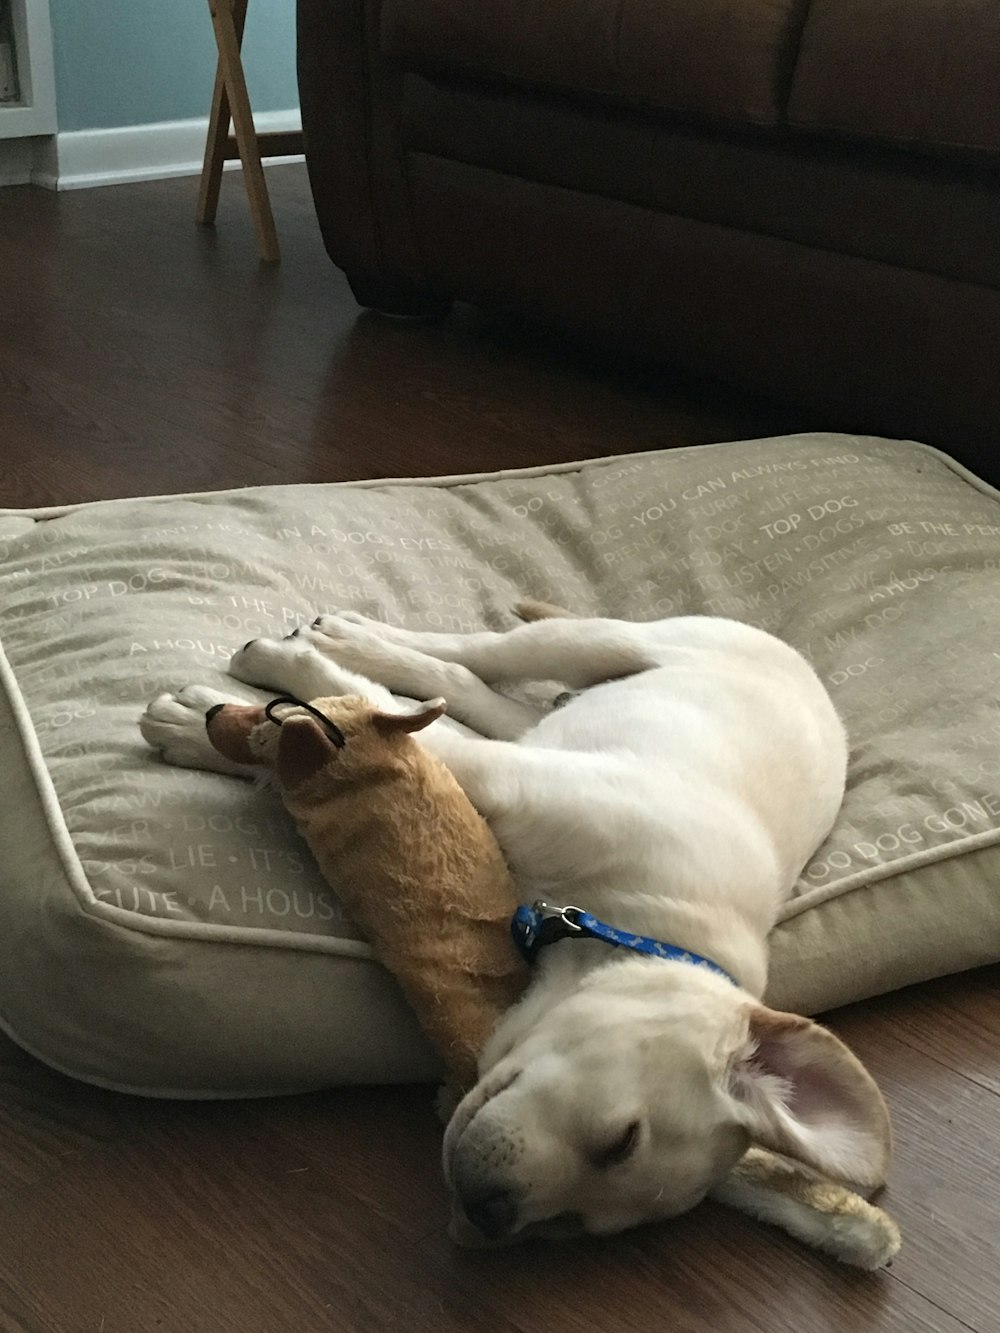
421 716
799 1091
304 747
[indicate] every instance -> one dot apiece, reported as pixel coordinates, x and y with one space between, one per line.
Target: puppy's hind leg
292 665
295 665
579 652
423 676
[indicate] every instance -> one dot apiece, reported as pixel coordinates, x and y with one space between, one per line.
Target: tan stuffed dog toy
413 863
420 872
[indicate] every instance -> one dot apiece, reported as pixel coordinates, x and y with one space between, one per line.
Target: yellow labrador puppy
660 817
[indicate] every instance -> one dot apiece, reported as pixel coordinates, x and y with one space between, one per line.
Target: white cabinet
35 110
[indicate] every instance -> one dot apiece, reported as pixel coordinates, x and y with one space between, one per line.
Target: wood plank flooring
141 355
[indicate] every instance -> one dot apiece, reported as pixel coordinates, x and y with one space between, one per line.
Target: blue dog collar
535 926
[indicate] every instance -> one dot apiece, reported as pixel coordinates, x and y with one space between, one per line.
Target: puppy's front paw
174 724
330 622
351 630
288 666
366 647
264 662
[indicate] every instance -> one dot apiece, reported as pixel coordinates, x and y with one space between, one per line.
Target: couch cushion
868 203
919 73
163 930
729 59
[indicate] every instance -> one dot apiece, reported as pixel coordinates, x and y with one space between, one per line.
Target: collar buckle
536 926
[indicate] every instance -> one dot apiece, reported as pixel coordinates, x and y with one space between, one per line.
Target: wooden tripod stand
230 100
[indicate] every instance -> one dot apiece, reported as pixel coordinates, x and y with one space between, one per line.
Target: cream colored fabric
164 930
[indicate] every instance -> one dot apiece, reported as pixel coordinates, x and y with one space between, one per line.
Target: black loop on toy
336 735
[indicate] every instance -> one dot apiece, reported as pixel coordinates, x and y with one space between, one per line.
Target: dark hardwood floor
139 355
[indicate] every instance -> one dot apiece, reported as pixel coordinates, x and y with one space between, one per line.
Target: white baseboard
79 159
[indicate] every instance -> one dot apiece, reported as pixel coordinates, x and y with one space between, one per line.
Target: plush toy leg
819 1212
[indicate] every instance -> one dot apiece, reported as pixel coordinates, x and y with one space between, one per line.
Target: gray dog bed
164 931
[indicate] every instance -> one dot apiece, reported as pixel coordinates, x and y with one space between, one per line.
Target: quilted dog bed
163 931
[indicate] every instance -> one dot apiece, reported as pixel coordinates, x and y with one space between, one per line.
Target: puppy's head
626 1102
343 737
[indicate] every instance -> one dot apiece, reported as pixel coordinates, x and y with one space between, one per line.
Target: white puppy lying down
678 798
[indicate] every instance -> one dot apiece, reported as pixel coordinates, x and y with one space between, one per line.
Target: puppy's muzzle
493 1213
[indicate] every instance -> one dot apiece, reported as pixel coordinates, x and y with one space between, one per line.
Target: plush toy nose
494 1214
229 726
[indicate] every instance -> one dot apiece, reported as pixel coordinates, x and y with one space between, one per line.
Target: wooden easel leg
215 153
228 18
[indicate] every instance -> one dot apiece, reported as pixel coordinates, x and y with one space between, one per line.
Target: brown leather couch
802 196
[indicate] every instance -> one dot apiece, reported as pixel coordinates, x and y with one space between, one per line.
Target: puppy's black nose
494 1214
216 708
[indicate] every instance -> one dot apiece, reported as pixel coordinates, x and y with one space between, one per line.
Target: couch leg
391 296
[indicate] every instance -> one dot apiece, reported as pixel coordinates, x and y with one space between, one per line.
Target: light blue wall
134 62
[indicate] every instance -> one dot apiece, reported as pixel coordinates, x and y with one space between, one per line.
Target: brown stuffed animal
419 870
413 863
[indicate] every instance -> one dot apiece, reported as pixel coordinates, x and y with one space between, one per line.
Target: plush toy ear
304 747
421 716
229 727
799 1091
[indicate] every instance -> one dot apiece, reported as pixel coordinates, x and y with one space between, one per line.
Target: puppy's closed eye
620 1148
